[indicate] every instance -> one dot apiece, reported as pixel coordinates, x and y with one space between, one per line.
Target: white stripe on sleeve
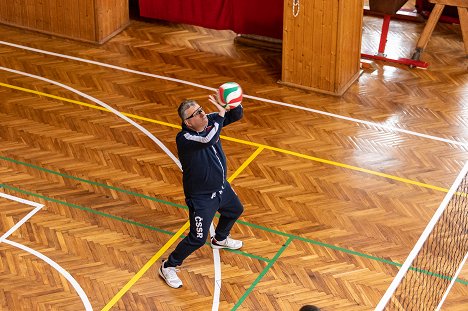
201 139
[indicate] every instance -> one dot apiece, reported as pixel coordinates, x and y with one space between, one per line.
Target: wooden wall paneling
11 11
30 20
37 14
4 11
59 20
328 48
102 14
317 43
334 47
343 39
306 43
350 42
65 23
54 22
74 21
304 64
45 14
21 12
85 20
112 16
357 36
298 35
41 13
325 55
88 20
288 32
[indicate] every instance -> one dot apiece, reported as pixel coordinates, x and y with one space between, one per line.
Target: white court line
52 263
20 200
37 206
59 269
217 265
102 104
333 115
454 278
217 273
19 223
422 239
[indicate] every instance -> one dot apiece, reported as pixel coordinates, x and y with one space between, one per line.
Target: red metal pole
383 35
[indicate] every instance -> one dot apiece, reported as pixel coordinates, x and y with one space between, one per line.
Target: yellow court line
296 154
145 268
169 243
261 147
245 164
87 105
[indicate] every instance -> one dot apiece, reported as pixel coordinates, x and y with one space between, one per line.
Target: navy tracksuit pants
202 209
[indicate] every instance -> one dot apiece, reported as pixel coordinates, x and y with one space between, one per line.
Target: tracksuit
205 186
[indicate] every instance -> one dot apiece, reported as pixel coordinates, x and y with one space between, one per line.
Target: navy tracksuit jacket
205 186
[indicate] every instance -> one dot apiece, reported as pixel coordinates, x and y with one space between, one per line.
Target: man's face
196 118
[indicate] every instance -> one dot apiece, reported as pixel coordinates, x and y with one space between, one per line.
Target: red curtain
260 17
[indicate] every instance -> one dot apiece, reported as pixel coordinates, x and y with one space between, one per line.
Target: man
205 186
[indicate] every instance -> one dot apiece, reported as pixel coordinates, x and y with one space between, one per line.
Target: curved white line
217 265
59 269
102 104
333 115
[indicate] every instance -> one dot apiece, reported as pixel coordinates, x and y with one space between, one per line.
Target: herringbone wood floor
314 232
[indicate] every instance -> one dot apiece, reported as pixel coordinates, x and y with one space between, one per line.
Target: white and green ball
230 93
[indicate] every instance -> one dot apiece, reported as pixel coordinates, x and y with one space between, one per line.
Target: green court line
262 274
90 210
94 183
185 207
87 209
288 235
437 275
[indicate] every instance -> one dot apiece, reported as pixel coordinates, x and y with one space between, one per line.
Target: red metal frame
383 35
404 61
383 43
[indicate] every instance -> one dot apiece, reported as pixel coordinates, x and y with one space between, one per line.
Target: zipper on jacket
219 160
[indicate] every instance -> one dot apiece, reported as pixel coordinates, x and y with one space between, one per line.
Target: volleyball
230 93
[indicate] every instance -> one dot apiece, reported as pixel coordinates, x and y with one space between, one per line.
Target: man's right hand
214 99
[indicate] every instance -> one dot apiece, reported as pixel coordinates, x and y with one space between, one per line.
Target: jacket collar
188 129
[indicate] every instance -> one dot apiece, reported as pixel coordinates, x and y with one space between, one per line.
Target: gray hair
184 105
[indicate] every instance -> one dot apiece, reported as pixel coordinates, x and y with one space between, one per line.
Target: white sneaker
227 243
169 275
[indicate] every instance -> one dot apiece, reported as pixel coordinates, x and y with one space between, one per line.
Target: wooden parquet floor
332 206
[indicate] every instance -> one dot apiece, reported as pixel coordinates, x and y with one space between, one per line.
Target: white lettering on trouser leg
199 226
213 195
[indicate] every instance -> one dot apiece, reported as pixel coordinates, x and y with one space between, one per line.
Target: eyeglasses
197 112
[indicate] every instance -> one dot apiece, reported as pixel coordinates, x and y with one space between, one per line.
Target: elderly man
204 179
